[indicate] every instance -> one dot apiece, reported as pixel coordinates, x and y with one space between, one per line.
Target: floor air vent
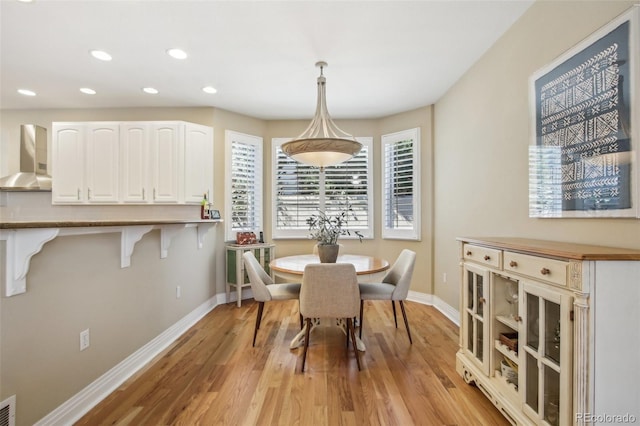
8 411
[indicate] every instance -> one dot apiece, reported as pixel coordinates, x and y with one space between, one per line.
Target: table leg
298 340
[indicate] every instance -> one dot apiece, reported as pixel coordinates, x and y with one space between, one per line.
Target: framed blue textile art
583 157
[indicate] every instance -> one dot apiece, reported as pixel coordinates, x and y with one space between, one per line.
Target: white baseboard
79 404
429 299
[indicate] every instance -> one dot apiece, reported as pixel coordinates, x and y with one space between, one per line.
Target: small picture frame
215 214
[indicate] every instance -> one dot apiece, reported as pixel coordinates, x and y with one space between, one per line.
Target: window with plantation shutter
300 190
244 184
401 185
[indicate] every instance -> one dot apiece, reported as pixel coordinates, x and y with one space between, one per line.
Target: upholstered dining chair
264 290
329 290
394 286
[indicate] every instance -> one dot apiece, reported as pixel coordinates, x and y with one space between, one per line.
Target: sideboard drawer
540 268
484 255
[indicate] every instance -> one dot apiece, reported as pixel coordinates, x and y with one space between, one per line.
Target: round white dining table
294 265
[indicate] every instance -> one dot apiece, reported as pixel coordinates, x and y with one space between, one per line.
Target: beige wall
75 283
482 136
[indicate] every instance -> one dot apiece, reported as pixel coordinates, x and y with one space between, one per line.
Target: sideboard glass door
476 340
547 360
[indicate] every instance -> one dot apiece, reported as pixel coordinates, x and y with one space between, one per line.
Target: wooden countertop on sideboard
555 249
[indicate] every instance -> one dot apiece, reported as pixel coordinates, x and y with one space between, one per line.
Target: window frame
392 233
368 232
232 136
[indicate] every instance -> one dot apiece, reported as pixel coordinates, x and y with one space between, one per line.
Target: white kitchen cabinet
102 167
198 169
561 321
85 163
68 163
132 162
167 157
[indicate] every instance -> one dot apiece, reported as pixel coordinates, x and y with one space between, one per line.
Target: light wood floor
212 375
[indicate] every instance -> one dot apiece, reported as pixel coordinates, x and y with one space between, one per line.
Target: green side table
236 275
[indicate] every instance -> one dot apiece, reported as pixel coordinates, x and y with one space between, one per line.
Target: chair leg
406 323
351 331
258 320
361 312
347 333
393 303
306 344
301 318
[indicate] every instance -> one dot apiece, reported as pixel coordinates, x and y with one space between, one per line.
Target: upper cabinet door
103 160
198 169
166 144
68 163
134 165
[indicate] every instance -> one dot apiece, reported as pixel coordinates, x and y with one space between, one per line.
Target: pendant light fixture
323 144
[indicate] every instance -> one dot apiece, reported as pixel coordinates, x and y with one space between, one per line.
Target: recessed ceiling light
100 54
25 1
88 91
177 53
26 92
150 90
209 89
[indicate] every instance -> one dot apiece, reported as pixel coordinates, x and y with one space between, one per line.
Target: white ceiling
384 57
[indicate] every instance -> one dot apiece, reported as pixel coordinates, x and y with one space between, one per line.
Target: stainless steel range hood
33 162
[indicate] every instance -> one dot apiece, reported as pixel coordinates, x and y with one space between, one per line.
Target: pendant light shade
323 143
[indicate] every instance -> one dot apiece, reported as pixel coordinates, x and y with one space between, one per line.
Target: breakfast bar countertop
82 223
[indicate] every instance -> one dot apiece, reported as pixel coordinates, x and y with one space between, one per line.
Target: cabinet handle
88 193
154 194
78 196
513 264
143 197
518 318
545 271
487 257
482 300
468 252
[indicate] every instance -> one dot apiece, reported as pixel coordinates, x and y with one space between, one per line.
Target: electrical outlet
444 277
178 292
84 339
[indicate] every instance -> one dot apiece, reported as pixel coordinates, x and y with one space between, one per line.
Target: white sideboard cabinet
163 162
550 331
